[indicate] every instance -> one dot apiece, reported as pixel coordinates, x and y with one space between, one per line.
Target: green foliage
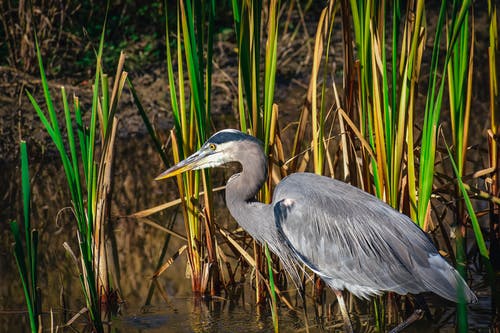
434 101
26 259
387 95
86 189
126 29
194 37
274 301
70 160
69 30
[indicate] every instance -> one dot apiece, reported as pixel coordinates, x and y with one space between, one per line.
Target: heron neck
241 190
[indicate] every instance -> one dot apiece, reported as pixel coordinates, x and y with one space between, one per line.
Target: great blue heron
349 238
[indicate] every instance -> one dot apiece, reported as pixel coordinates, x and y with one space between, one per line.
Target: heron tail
444 280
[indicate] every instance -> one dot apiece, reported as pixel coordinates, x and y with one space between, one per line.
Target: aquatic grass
379 150
434 103
459 77
493 171
387 79
274 304
27 259
483 250
267 130
271 53
85 227
191 119
462 320
106 109
323 34
386 117
247 25
88 173
458 58
387 83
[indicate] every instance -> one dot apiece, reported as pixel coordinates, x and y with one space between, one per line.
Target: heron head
220 148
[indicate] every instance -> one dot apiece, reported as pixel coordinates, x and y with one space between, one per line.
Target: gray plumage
358 242
351 239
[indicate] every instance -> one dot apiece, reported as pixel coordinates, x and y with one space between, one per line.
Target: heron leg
416 315
343 310
420 303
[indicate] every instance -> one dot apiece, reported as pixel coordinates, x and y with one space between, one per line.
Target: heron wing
350 238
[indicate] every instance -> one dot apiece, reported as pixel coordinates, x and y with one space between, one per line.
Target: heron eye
212 146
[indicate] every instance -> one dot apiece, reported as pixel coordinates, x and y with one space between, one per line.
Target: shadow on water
138 247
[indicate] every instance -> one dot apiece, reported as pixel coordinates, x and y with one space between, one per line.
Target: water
185 314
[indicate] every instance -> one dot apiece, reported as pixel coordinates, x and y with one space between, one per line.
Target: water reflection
217 315
192 315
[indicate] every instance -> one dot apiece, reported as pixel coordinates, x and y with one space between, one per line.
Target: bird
352 240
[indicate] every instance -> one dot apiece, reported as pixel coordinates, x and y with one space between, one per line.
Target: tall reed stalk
387 91
88 173
194 37
27 259
319 73
459 76
388 79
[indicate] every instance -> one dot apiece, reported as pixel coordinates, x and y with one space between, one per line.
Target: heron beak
193 162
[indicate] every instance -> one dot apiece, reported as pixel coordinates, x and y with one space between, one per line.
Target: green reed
386 117
70 165
387 97
27 259
434 103
194 43
247 25
88 173
459 77
461 255
493 51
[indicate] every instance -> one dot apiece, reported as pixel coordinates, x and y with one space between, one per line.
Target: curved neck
245 185
241 190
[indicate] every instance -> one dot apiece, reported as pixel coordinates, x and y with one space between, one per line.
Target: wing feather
353 240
